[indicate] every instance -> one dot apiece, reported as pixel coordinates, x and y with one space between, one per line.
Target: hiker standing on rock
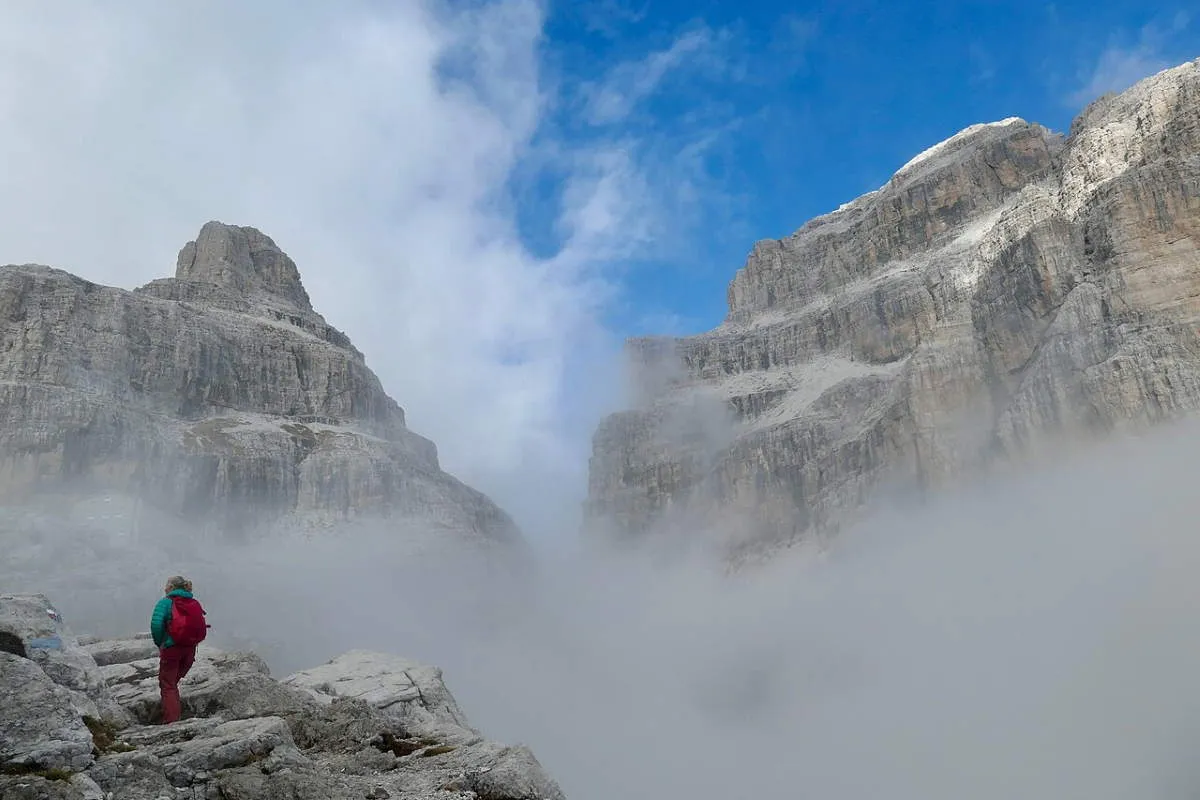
176 626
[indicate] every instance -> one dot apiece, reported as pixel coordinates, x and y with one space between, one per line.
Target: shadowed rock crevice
11 643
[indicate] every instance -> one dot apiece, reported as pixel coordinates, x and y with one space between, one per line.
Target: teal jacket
161 615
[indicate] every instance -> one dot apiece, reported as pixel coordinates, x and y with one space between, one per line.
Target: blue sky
749 119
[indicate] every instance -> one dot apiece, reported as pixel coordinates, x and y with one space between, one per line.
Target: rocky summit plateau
78 722
1008 291
219 394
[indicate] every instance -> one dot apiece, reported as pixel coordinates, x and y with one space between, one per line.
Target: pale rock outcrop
40 724
32 628
120 651
217 394
322 734
411 693
234 684
1006 292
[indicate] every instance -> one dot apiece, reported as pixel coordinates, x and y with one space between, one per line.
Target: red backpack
186 625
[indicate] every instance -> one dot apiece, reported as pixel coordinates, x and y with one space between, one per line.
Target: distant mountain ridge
1008 289
218 394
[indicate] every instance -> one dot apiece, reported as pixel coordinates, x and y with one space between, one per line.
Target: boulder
31 627
134 774
492 770
122 651
40 726
193 749
412 693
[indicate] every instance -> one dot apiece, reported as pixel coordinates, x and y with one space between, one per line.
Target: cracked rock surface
365 725
217 394
1008 291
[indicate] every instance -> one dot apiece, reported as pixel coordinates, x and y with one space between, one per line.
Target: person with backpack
176 626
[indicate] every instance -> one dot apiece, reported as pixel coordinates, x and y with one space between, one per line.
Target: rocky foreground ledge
78 714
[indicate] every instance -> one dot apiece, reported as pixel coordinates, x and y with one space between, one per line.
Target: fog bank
1037 635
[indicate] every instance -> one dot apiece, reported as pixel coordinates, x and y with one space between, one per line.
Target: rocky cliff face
218 394
1007 290
77 722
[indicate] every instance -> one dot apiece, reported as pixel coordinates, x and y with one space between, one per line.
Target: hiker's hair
179 582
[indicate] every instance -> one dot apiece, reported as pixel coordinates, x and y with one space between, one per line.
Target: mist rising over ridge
1033 633
1029 634
1008 292
217 395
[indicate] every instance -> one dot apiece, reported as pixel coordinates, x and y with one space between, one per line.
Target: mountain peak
244 260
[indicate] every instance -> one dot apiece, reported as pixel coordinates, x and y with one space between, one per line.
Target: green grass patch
51 774
104 737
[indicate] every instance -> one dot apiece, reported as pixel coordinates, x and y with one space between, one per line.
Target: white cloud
631 82
608 17
983 64
1117 69
335 129
793 37
1118 66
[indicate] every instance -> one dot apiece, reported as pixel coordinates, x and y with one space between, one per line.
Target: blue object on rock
45 643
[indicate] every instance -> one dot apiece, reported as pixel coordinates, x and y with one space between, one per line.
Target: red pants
173 665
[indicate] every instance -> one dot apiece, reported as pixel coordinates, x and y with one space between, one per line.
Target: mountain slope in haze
1007 291
218 395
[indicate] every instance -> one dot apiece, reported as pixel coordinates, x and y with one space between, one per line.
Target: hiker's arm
158 621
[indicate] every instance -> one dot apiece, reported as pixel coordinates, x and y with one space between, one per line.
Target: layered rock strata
1008 290
219 393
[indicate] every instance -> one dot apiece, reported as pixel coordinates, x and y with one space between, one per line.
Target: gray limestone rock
235 685
121 651
411 693
31 627
87 788
1007 291
40 726
243 261
218 394
37 787
365 725
196 748
136 773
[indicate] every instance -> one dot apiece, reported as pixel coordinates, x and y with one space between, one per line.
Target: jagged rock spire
243 259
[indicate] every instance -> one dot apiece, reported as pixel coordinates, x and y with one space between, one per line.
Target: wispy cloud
615 97
675 113
609 17
800 30
1123 63
983 64
792 40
